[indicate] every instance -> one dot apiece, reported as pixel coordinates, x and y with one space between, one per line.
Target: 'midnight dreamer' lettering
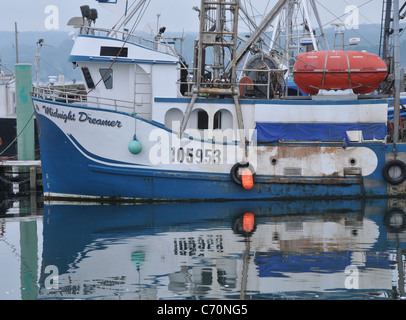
61 115
84 117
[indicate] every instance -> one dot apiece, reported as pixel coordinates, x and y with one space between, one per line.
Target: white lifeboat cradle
148 127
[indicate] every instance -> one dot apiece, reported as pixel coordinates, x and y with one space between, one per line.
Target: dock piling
25 110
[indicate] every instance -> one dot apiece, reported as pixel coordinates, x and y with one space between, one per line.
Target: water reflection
237 250
20 245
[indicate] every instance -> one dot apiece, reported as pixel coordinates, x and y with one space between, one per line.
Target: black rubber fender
235 176
395 220
394 180
238 228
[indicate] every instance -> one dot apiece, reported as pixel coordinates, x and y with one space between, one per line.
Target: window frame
88 77
107 74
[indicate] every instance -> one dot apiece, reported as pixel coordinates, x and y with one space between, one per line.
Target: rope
325 69
349 69
343 15
13 157
12 182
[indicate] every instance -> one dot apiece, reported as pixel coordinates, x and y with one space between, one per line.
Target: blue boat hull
67 172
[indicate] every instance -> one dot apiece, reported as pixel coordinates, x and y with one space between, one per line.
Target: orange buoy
339 70
247 179
248 222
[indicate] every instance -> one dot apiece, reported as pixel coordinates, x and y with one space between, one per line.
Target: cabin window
217 120
202 120
113 51
88 78
223 119
107 76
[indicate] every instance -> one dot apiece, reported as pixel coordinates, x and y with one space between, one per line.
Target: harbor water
302 250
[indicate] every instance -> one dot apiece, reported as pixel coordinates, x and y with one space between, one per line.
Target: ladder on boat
213 77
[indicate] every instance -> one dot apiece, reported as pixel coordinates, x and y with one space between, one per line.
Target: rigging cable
343 15
15 139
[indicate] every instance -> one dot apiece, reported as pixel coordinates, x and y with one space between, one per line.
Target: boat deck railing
80 97
128 37
271 85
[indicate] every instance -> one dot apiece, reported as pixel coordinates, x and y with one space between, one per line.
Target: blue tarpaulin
271 132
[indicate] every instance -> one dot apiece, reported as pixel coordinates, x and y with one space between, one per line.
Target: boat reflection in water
234 250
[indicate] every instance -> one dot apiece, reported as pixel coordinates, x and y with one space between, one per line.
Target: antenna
339 31
16 36
89 14
40 43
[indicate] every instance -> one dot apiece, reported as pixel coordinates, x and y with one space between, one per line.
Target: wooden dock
35 171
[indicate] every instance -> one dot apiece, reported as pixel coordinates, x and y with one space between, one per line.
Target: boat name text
83 117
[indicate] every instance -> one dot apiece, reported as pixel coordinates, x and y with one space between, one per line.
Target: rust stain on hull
298 152
310 180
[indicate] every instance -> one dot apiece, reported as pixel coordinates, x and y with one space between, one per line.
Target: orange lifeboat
339 70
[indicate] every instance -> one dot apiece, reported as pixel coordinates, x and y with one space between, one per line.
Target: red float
339 70
247 179
248 222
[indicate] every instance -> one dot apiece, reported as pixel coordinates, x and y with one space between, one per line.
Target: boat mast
260 29
396 65
284 25
215 36
212 77
385 29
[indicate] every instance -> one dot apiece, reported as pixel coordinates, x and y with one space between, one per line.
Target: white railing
274 80
80 97
126 36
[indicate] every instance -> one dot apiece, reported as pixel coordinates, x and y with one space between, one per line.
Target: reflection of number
198 246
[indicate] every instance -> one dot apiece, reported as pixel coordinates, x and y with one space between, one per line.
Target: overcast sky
176 15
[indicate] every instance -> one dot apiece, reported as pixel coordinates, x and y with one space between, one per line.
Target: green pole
29 260
25 119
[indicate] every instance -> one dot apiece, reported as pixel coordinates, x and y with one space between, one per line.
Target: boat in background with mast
152 128
8 131
8 110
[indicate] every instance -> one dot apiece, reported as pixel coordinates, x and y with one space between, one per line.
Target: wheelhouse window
88 78
217 120
107 76
223 119
202 120
114 51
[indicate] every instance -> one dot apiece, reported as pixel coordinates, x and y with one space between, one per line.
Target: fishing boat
151 127
7 114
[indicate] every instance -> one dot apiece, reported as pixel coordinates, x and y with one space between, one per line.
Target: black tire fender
235 176
386 172
395 220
